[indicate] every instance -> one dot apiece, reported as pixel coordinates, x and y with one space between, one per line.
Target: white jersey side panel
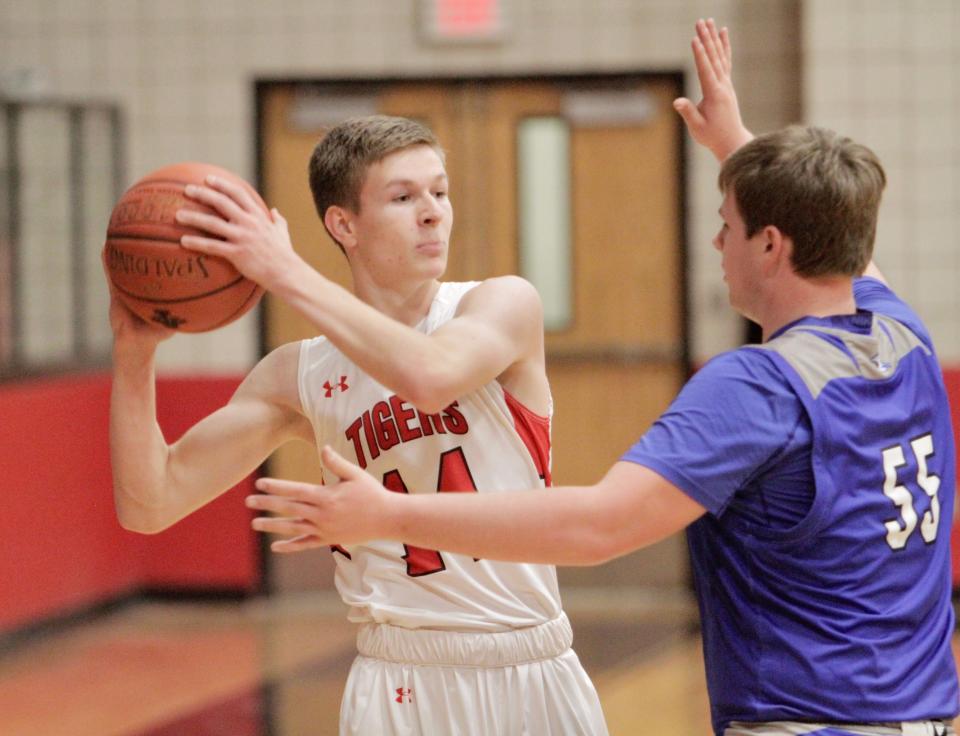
473 444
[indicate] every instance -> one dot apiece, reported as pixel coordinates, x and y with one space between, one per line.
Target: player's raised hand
714 123
351 511
256 241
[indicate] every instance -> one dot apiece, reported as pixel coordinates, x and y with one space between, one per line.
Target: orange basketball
156 277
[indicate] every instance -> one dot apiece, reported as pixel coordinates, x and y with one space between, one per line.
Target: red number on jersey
453 477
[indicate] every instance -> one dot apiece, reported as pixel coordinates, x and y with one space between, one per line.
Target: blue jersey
825 459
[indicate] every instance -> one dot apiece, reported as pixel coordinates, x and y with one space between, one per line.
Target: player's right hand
714 123
352 510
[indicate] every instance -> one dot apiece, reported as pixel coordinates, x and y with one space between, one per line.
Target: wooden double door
620 354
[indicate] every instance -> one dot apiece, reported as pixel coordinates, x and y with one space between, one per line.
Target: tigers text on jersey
484 440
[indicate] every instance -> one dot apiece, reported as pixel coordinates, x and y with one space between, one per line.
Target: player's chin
433 265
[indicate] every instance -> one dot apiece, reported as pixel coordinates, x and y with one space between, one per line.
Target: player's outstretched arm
156 483
714 123
631 507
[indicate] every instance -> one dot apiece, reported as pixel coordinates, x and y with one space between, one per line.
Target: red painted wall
951 377
214 547
62 549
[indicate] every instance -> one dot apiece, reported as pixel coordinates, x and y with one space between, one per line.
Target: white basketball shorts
416 682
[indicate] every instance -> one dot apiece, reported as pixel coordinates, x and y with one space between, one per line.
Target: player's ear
777 248
339 224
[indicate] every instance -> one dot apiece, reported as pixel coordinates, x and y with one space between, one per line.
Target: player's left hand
129 330
351 511
255 241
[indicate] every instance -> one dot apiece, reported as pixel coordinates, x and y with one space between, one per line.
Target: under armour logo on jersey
404 695
342 385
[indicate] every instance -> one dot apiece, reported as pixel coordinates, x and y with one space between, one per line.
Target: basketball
157 278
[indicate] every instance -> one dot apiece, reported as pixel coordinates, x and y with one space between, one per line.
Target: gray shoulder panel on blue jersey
818 361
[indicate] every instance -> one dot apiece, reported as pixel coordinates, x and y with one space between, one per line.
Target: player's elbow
429 391
139 524
139 518
427 404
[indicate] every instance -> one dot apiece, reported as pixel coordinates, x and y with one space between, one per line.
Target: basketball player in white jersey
431 387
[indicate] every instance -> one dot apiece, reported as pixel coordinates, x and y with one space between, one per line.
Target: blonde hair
340 160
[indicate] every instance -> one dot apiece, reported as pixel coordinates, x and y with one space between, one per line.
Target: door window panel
543 161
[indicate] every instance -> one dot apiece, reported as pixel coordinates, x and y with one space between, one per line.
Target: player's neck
820 297
406 303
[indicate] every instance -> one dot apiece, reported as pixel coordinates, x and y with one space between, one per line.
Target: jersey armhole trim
302 393
534 430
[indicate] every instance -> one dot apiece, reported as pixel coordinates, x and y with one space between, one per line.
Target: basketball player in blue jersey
814 472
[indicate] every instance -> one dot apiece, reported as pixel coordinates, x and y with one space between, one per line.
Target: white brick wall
887 73
883 71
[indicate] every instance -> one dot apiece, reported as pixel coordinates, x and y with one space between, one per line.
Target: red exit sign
463 20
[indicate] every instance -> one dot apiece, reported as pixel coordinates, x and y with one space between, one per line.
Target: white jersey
484 441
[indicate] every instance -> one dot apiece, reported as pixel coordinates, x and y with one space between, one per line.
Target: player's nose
430 212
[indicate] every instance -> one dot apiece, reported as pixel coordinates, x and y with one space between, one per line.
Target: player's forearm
402 359
729 141
138 450
558 526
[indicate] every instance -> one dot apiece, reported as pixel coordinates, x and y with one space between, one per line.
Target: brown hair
340 160
817 187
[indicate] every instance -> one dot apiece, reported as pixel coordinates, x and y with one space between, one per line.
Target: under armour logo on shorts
404 695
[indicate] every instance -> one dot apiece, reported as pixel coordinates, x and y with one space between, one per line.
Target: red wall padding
952 378
62 548
214 547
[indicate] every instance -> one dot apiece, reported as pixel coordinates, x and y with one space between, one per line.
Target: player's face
403 226
740 257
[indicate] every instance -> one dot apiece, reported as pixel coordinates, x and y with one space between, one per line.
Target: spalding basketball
156 277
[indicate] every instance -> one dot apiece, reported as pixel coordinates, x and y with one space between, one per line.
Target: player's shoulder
318 355
283 364
274 377
746 361
876 296
313 349
737 377
510 291
279 358
741 391
508 281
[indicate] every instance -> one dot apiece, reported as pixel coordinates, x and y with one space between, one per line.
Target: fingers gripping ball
158 279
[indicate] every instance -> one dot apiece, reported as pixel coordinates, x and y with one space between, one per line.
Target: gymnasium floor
277 667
